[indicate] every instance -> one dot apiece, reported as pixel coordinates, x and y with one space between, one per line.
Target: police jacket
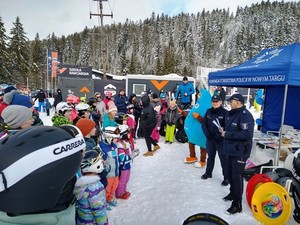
239 127
148 115
210 130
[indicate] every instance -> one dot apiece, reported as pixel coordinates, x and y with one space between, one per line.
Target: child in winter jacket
155 132
130 121
124 154
109 148
171 118
88 129
89 191
47 106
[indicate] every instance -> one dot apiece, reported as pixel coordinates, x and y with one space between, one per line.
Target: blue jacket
107 122
121 102
110 155
239 127
185 88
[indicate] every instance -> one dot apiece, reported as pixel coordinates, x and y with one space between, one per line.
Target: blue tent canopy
274 66
278 71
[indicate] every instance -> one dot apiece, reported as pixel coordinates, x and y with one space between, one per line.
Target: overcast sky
65 17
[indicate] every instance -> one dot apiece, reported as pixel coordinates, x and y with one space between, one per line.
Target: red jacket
3 105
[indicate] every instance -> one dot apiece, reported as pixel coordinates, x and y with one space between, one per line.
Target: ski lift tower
101 15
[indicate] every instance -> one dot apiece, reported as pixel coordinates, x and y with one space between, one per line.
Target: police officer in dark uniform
238 134
212 120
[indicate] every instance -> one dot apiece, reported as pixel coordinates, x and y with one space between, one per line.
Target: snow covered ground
165 191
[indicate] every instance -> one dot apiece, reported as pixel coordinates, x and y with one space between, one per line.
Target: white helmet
92 162
124 129
82 106
111 133
63 106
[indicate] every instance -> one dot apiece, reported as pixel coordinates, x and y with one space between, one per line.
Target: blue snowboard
192 126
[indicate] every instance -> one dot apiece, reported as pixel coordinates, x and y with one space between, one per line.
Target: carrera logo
68 147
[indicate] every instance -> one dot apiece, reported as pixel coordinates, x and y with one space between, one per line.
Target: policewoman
238 134
212 120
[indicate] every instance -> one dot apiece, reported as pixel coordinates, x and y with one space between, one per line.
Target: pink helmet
73 99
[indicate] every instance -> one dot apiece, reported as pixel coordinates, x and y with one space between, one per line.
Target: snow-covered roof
171 76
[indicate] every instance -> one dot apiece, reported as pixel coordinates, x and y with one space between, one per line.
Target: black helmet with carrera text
37 168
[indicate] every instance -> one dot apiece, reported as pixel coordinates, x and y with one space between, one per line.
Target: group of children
115 150
166 115
105 172
105 169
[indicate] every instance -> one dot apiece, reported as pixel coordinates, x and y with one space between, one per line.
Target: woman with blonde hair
109 118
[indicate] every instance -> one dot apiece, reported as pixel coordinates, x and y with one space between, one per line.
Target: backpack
181 136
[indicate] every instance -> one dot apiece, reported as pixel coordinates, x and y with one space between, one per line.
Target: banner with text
75 71
52 63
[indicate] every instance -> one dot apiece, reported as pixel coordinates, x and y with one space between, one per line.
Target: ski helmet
62 107
34 176
162 95
111 133
81 108
130 106
92 162
272 175
73 99
283 172
204 219
124 129
120 117
92 100
284 182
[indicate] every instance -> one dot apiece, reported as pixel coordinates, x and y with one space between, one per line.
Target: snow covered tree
85 48
19 53
38 63
4 55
